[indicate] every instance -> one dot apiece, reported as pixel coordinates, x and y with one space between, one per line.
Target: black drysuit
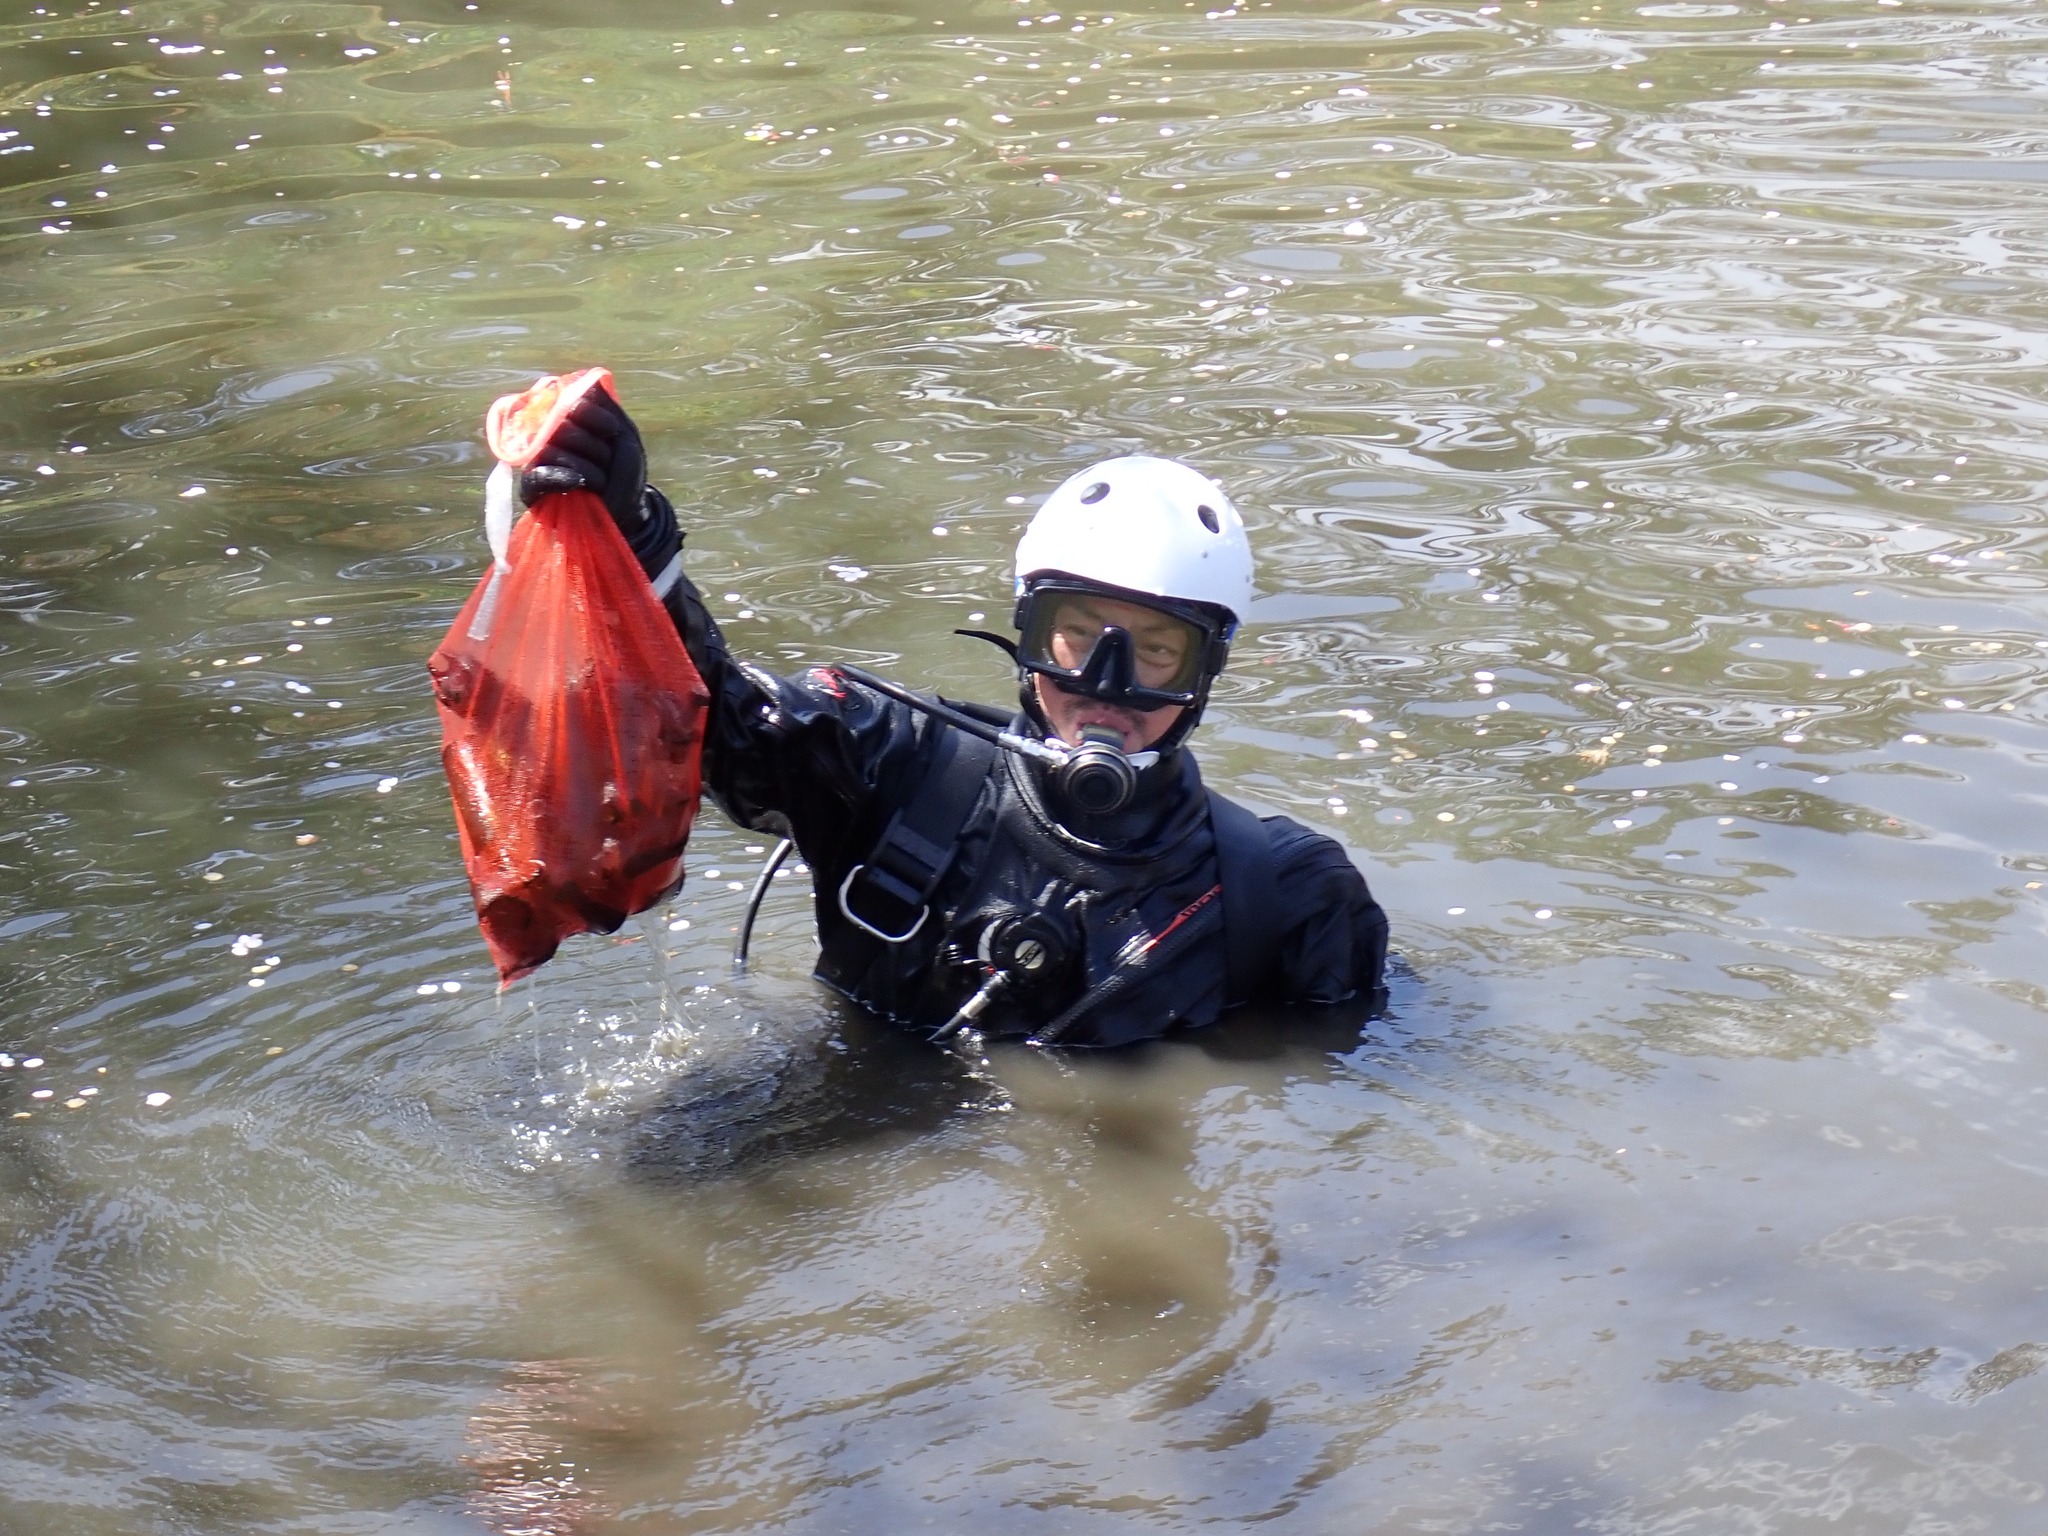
827 761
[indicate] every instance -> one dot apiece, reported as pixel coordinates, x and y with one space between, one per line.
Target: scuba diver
1057 872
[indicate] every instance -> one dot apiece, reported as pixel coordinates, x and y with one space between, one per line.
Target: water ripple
1639 421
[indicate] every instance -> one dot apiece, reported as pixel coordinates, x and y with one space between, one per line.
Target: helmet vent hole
1095 493
1209 518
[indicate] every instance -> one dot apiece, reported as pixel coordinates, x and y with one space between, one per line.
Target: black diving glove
597 449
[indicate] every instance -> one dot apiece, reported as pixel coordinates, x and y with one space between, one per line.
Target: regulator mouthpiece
1096 777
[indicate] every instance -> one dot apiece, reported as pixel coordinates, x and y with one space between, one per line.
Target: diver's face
1067 713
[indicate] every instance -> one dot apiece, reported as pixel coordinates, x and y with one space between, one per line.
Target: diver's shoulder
1302 852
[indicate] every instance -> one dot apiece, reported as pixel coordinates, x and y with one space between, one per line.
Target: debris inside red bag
572 719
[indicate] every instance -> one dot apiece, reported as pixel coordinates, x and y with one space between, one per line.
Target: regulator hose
1193 924
746 934
1098 776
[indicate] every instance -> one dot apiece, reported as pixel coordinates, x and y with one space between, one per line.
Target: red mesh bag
571 717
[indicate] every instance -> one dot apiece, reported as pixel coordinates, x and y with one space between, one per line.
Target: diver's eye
1166 643
1071 642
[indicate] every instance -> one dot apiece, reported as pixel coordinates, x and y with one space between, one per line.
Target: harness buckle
881 881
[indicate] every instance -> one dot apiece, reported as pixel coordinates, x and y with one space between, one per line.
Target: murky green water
1638 414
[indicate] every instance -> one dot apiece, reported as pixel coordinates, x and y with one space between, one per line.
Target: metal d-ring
862 923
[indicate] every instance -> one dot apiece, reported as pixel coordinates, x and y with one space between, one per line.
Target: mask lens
1064 627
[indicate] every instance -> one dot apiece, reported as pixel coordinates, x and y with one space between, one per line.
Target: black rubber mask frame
1110 671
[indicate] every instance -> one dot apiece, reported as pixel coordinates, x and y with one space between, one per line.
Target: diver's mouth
1124 722
1068 711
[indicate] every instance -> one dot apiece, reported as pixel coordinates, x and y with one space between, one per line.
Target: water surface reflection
1637 412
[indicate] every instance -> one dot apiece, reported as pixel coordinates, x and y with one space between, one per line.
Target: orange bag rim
517 427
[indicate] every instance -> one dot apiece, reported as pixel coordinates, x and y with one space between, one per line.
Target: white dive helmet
1153 526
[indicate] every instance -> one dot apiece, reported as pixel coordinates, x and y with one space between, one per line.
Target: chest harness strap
1249 911
1251 898
890 895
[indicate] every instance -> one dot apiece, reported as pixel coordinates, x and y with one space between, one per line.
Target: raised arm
802 754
